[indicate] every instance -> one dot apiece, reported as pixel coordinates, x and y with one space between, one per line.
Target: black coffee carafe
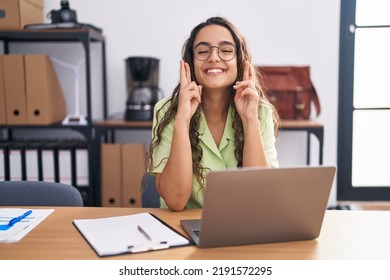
142 87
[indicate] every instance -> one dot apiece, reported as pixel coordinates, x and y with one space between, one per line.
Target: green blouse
214 158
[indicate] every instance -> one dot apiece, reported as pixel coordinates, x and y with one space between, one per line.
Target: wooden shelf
284 124
122 123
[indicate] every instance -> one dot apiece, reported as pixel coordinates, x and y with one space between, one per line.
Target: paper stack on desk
129 234
22 222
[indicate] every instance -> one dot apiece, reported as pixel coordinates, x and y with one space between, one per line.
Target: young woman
218 117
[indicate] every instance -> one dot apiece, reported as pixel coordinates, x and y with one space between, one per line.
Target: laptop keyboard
196 231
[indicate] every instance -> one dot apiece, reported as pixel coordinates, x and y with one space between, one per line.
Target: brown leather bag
290 90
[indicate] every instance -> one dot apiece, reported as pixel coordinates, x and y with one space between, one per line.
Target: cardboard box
45 100
3 119
15 14
133 169
111 175
15 93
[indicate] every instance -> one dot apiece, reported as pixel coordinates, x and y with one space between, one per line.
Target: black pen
141 230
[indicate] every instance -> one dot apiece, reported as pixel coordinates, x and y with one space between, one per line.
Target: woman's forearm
174 184
254 153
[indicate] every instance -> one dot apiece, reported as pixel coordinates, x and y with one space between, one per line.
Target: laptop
262 205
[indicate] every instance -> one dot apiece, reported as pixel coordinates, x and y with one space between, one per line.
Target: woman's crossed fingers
190 93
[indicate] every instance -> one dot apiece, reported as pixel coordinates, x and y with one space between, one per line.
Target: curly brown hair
243 54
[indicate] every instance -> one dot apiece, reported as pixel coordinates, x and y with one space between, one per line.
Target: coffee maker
142 87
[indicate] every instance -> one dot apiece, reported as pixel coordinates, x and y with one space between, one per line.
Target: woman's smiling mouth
214 71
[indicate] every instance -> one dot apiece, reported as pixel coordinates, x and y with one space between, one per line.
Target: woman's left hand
247 97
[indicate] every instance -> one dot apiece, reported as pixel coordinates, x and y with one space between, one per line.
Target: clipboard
134 233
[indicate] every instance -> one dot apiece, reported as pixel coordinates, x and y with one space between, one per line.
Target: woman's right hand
189 93
176 190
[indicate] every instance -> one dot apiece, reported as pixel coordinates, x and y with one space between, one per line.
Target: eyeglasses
226 52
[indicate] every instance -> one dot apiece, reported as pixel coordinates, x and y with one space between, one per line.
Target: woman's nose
214 54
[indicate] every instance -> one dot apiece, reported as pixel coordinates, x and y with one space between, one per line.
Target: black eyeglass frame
218 47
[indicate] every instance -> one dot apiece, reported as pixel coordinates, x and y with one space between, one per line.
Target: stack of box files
30 91
122 167
52 160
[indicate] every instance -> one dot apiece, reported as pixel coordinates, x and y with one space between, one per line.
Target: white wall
280 32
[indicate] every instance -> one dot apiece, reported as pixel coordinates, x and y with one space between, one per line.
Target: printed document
19 229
